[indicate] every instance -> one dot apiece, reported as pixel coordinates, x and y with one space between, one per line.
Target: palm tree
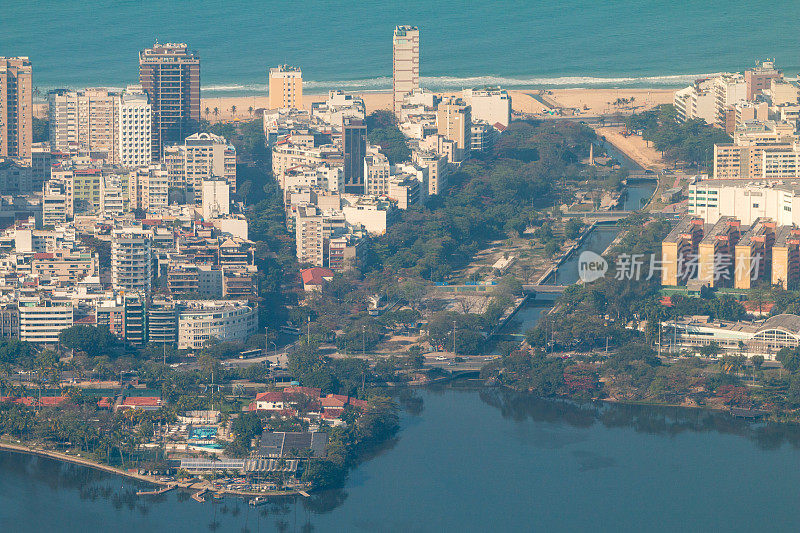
250 110
233 110
207 111
216 112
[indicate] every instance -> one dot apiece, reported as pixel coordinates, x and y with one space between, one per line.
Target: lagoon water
341 43
471 460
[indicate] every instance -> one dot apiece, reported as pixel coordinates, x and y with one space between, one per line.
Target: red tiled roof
316 275
104 402
142 401
88 319
42 255
754 307
666 301
329 401
359 404
271 396
311 392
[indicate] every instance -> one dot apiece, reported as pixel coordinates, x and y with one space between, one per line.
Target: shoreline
66 458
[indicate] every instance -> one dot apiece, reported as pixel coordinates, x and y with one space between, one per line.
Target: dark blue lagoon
476 460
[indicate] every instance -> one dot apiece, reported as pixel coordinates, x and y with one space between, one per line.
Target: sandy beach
591 102
634 147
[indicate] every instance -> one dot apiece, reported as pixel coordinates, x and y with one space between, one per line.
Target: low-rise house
144 403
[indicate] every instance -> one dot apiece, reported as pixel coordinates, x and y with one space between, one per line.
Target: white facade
84 120
41 321
135 128
490 104
131 260
405 61
713 199
216 199
226 320
202 156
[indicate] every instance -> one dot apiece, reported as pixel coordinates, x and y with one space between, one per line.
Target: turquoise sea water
348 44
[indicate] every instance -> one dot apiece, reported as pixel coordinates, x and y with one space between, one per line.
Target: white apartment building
712 199
697 101
56 208
323 176
490 104
436 165
226 320
337 107
288 155
149 187
135 128
405 63
729 89
84 120
132 259
454 122
41 320
202 156
371 213
376 172
216 199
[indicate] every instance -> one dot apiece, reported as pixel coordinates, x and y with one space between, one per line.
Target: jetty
156 492
304 493
198 496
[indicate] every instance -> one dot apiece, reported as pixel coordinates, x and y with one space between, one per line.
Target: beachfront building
135 134
490 104
697 101
405 64
202 156
16 107
225 320
285 87
760 78
170 75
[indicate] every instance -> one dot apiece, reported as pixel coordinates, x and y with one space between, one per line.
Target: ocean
347 45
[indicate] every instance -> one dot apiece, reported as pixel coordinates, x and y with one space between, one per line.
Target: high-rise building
405 62
354 146
285 87
170 75
84 120
454 121
131 260
135 135
16 107
202 156
760 78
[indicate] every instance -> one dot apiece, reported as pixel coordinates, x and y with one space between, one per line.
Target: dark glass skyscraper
354 146
170 75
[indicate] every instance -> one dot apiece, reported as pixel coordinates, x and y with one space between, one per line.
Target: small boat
258 500
217 496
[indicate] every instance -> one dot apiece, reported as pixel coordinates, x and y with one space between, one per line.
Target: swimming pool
202 432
